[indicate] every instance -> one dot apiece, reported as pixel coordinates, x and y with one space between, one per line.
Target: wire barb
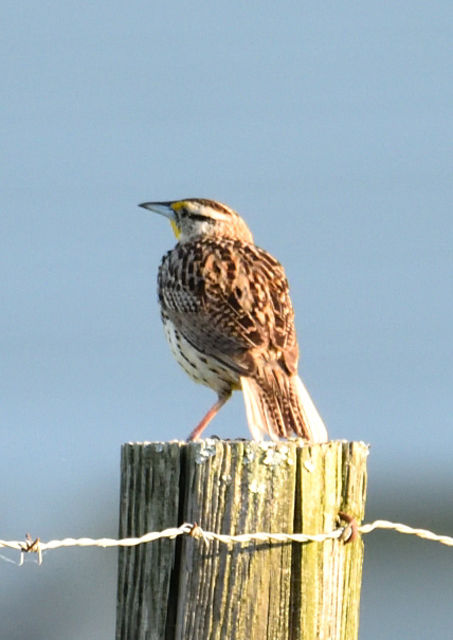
30 545
351 530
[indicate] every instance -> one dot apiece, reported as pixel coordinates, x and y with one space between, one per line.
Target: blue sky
328 126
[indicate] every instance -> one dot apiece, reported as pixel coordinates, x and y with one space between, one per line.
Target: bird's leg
201 426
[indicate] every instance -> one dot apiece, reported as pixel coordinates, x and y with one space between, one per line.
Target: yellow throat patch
176 229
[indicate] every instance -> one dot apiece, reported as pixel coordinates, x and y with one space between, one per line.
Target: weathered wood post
186 589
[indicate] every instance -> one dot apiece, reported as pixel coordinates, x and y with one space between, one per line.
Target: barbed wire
347 533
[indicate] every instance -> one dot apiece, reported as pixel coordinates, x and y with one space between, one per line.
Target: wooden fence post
186 589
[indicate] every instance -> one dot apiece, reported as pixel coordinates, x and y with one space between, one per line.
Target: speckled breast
199 366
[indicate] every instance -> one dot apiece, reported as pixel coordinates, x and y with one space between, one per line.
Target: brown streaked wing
230 300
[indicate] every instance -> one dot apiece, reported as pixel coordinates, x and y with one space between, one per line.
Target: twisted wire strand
37 546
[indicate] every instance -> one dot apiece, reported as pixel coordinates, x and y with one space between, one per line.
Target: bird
229 321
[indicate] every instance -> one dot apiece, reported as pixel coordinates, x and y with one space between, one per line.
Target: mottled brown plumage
229 320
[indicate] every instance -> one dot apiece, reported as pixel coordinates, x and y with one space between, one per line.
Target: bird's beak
165 209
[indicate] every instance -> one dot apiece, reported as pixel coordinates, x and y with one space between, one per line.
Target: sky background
328 126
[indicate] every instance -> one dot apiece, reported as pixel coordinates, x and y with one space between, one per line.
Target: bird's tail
280 406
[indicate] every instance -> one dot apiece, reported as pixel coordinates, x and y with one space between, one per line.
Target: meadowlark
229 321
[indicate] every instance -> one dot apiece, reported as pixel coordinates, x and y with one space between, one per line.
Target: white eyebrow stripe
219 215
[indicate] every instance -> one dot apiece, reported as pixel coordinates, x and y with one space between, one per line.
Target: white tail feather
261 419
257 416
310 414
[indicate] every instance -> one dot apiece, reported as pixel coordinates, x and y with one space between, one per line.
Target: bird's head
197 217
